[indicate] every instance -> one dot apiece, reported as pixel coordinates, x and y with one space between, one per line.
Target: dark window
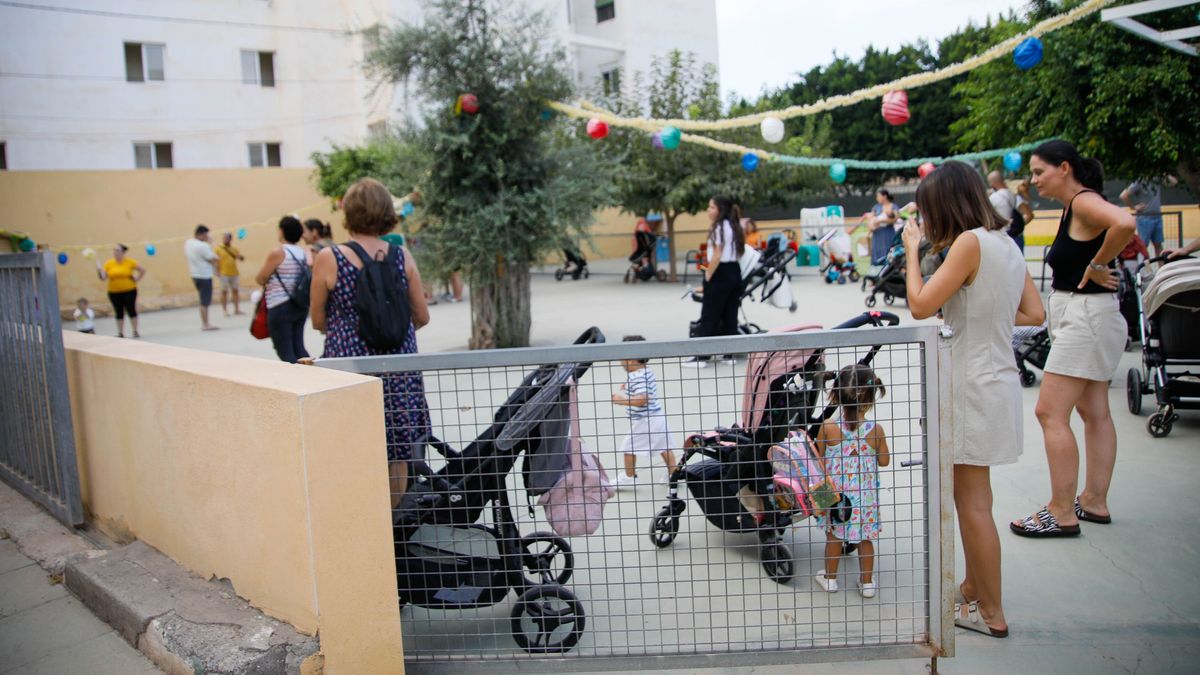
3 157
264 154
605 10
152 155
258 68
612 81
144 62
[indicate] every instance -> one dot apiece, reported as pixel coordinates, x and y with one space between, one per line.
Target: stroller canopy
1171 280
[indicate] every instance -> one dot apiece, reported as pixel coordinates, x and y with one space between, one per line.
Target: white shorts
229 283
1088 335
648 436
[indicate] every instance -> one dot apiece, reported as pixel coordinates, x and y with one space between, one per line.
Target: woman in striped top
282 275
648 429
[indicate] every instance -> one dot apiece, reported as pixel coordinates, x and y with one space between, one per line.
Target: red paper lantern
925 169
597 128
467 103
895 107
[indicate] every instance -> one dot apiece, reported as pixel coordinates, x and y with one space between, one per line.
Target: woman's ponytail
1091 174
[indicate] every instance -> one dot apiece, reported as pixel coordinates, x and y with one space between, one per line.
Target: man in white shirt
202 260
1005 204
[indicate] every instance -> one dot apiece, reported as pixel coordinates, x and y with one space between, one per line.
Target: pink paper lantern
895 107
925 169
597 128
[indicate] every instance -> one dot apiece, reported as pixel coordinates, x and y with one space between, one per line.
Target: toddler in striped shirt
648 429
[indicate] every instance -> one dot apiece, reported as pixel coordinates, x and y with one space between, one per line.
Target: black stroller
1031 346
888 279
445 559
781 394
1169 308
770 279
643 262
574 267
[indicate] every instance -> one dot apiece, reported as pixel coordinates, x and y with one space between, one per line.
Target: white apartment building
208 84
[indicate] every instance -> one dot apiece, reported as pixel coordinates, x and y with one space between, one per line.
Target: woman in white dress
983 289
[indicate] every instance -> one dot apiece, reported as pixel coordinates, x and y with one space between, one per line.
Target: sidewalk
44 629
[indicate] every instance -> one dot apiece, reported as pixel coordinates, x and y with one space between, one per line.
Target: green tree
1129 103
396 160
505 186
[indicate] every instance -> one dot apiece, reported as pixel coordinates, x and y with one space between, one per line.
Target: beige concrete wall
70 210
271 475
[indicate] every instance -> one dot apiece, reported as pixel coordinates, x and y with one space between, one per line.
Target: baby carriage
889 279
1031 346
445 559
835 245
750 266
769 278
764 475
574 267
1170 309
644 260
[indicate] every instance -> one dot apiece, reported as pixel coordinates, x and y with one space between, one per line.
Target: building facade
210 84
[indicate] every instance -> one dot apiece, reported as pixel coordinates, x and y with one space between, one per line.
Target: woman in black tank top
1088 338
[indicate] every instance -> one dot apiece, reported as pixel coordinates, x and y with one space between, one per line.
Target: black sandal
1090 517
1043 525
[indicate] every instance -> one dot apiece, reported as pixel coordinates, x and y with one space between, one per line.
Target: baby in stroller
643 262
835 245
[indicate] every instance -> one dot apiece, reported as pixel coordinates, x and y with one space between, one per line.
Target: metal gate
680 572
37 441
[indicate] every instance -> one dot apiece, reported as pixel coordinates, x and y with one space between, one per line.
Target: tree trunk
670 216
500 309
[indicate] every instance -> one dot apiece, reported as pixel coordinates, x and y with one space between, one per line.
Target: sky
765 43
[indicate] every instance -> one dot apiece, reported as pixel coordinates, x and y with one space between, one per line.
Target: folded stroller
574 267
764 475
1031 346
445 559
1169 320
769 278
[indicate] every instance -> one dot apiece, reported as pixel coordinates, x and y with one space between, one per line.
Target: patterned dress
854 469
405 410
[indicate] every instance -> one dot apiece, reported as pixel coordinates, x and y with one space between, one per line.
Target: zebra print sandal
1043 525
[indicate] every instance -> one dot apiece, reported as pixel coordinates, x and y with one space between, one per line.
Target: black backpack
301 295
381 298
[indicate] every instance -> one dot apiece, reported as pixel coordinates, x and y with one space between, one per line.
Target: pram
768 462
1031 346
1169 312
769 278
835 245
644 260
447 560
750 265
889 279
574 267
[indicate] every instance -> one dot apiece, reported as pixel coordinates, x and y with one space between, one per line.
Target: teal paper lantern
838 172
241 234
151 249
1028 54
750 162
27 245
1012 161
407 209
670 137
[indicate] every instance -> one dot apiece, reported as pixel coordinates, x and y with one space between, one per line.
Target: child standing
854 448
648 429
85 317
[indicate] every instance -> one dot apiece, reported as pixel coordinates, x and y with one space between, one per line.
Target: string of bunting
997 51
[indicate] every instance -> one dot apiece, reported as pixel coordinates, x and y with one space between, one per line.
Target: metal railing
37 442
487 585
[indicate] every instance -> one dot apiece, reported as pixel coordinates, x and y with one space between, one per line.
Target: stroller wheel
777 561
1133 391
664 528
1160 423
889 299
1028 378
870 300
546 559
661 275
585 273
547 619
794 306
558 275
629 278
855 276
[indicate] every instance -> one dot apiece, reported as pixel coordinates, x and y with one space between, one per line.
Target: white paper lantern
772 129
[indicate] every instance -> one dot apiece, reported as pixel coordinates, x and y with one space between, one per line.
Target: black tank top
1069 258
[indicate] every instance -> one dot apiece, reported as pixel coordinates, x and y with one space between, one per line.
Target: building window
143 62
258 68
612 81
264 154
152 155
605 10
3 157
378 129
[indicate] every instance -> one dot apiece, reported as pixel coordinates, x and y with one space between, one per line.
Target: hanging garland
997 51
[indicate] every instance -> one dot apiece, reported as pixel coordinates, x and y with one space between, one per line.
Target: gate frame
67 506
937 458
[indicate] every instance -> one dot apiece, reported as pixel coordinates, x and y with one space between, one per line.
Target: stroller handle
591 336
874 318
1162 259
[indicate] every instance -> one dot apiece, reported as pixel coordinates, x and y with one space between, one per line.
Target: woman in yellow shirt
122 275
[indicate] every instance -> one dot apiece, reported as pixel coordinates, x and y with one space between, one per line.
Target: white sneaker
830 585
625 480
694 363
869 589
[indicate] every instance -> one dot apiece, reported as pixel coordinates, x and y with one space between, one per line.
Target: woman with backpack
368 299
285 277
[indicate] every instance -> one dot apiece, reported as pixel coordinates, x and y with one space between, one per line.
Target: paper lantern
772 129
1012 161
925 169
241 233
597 128
670 138
750 161
151 249
88 253
407 209
547 115
27 245
837 172
1028 54
656 140
466 103
62 258
895 107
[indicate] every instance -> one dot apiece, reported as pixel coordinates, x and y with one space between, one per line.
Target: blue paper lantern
838 172
1012 161
62 258
241 233
407 209
151 249
656 140
670 137
750 161
1028 54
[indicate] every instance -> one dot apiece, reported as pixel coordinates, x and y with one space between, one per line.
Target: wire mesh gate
682 570
37 442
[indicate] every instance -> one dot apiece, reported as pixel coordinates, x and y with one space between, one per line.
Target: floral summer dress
405 410
854 469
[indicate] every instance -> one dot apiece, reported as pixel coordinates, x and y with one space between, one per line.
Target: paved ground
1121 598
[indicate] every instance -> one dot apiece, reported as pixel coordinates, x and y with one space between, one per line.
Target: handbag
258 325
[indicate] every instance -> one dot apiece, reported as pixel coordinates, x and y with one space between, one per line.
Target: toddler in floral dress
853 449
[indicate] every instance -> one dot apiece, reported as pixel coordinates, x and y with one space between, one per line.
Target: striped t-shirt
642 382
